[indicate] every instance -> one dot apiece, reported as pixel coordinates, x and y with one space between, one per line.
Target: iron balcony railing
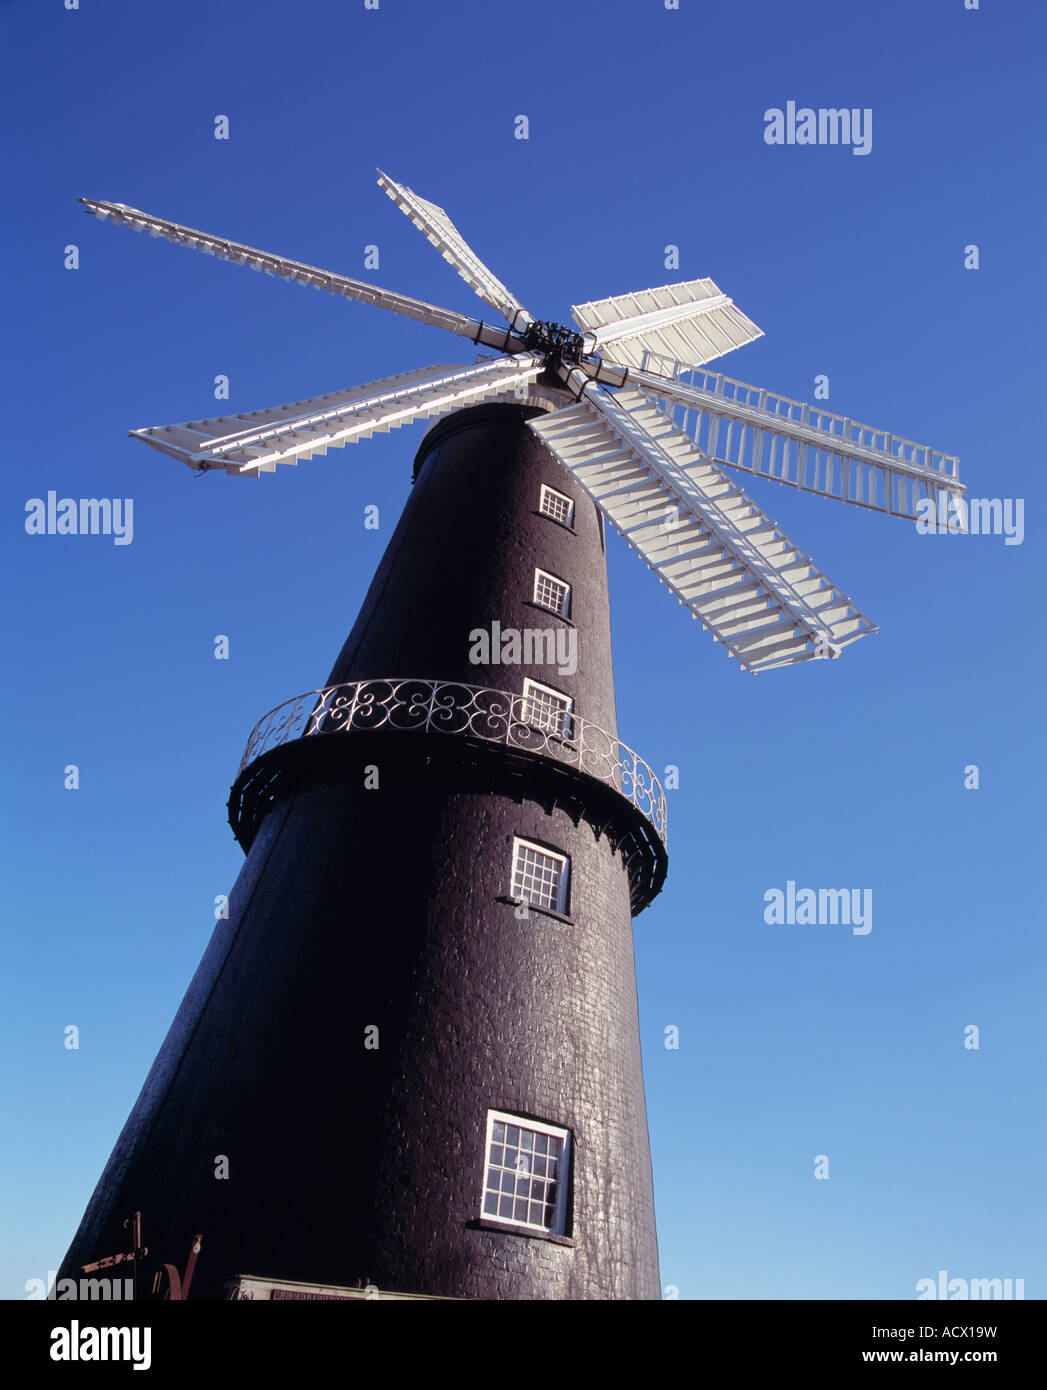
474 711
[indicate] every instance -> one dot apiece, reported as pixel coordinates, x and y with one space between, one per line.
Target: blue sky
646 128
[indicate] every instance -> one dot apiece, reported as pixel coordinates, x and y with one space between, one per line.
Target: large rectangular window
526 1172
539 876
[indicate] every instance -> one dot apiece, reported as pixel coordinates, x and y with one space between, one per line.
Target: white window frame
539 575
533 712
560 905
558 1228
550 492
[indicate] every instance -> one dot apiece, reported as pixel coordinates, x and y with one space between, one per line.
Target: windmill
533 1126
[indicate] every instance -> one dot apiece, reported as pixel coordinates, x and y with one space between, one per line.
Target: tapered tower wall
464 555
388 907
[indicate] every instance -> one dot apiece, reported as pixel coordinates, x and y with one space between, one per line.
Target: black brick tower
378 995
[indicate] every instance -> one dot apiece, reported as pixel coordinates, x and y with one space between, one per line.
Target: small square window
539 877
552 593
556 505
511 1192
547 709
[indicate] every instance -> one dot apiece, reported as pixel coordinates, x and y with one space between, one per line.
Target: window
539 876
556 505
547 709
526 1172
551 593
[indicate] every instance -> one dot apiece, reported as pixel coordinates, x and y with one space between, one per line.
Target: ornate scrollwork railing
452 707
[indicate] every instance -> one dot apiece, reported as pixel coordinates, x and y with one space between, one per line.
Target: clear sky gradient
646 129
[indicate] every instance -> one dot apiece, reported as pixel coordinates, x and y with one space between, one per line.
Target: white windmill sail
773 436
438 228
726 561
256 441
660 485
297 271
693 321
